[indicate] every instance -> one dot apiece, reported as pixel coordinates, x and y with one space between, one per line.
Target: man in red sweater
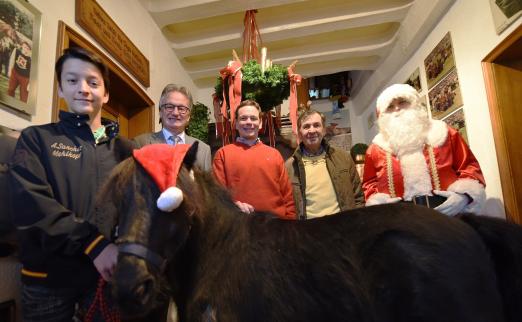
253 172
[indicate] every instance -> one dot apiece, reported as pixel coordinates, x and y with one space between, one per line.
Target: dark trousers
44 304
18 80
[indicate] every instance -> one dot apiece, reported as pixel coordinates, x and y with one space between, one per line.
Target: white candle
263 59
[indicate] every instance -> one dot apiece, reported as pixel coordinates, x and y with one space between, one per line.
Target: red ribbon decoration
295 79
250 35
278 116
233 72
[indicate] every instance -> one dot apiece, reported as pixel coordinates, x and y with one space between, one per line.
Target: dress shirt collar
167 134
310 154
247 142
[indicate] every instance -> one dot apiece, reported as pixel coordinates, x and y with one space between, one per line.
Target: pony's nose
143 290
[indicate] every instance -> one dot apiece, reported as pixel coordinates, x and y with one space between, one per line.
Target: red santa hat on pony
162 162
403 91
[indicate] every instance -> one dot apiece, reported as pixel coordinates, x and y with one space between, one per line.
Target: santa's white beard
404 130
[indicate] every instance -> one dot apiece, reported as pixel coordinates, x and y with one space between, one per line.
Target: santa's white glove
455 203
381 198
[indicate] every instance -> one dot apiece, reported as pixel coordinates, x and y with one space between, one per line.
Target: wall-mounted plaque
91 16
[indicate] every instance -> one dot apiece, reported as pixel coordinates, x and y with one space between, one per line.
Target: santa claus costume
414 157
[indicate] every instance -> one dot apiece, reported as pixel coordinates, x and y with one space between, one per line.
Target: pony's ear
123 148
190 157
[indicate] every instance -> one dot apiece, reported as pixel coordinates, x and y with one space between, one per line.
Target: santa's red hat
404 91
162 162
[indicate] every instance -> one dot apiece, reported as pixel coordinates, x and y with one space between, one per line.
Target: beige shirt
320 194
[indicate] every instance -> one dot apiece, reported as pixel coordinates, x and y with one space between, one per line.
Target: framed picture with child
20 24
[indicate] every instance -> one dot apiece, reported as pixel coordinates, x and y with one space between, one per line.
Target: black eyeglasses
171 107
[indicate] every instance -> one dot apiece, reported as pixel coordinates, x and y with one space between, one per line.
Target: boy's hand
245 207
106 261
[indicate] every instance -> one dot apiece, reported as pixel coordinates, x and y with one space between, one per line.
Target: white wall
359 125
135 22
473 36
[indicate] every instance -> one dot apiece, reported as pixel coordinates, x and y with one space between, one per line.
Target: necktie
173 140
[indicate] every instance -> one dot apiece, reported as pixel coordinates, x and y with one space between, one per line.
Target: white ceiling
326 36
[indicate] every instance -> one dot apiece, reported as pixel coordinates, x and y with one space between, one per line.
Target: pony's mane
205 194
129 184
118 181
202 186
110 196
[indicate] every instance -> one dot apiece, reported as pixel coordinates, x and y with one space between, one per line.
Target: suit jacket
203 156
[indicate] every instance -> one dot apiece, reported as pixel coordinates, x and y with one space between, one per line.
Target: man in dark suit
175 107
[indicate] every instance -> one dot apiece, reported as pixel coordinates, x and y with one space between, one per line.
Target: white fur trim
170 199
381 142
437 134
378 198
472 188
404 91
415 174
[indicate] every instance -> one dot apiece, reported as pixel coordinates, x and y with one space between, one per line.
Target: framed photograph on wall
445 97
20 25
440 61
505 12
458 122
414 80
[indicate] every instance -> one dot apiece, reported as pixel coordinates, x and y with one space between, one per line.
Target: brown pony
384 263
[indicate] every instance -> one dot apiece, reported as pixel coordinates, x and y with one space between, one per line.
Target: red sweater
255 175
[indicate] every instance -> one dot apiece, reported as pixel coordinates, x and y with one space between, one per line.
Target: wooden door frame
65 35
488 69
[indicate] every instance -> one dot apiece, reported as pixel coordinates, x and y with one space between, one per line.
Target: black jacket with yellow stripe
56 172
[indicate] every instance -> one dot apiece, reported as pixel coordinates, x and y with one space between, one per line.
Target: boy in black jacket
56 172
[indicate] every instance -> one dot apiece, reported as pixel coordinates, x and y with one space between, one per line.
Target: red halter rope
99 302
